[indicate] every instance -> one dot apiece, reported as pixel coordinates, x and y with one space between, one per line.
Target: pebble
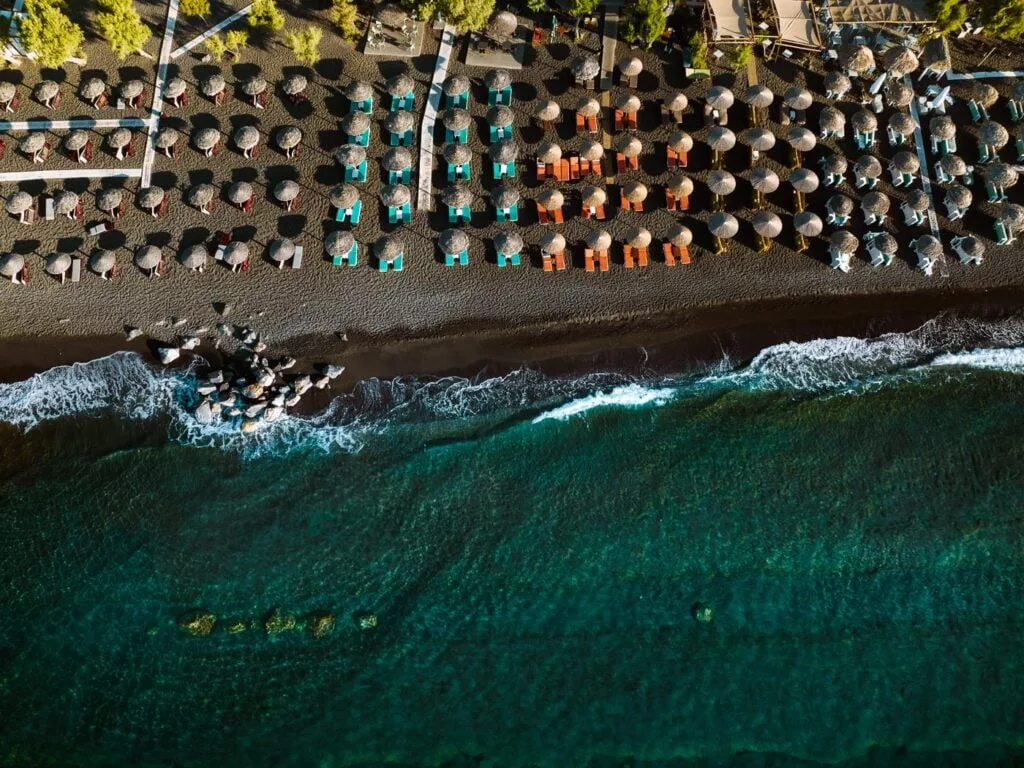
204 413
131 332
333 371
177 322
322 382
168 354
189 342
64 320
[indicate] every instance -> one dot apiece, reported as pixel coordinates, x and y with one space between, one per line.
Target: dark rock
321 624
278 621
198 624
701 613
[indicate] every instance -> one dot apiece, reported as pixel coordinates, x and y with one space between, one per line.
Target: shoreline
678 342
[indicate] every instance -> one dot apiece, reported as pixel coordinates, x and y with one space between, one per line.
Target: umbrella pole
719 246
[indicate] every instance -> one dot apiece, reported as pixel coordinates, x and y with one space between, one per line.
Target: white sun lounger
297 257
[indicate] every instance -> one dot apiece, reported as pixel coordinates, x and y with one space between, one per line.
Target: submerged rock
321 624
198 624
237 626
333 371
204 413
251 425
366 620
702 613
278 621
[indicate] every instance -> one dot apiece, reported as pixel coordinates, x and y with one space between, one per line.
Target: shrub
467 15
47 32
200 8
119 23
698 50
344 15
305 44
215 47
235 40
265 16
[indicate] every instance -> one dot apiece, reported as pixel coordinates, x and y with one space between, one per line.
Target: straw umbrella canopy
57 264
901 123
11 264
972 247
343 196
151 197
598 240
592 196
194 257
864 121
797 98
1012 215
801 139
398 159
585 67
638 237
339 243
455 154
456 85
288 137
453 242
838 83
876 203
906 162
935 54
109 199
723 225
551 199
898 94
844 241
456 119
856 58
759 96
803 180
942 127
119 138
46 91
680 141
355 123
899 61
758 139
719 97
808 224
281 250
500 116
1001 175
497 79
840 205
166 138
33 142
388 248
721 182
630 66
206 139
456 196
508 243
92 89
954 165
993 134
680 235
959 196
917 200
627 102
18 202
835 164
504 196
7 92
885 243
767 224
831 119
286 191
504 151
868 166
721 139
358 91
102 261
552 243
399 123
676 102
549 152
147 257
293 85
200 195
65 202
547 111
928 246
76 140
247 137
132 89
350 155
213 85
764 180
592 151
254 86
502 24
240 192
588 107
636 192
680 185
629 146
983 93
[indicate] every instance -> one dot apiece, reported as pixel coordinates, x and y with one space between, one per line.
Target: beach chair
402 102
631 121
460 101
99 229
562 169
592 125
973 106
222 239
399 214
542 214
400 177
504 259
984 155
503 170
462 258
995 194
497 133
595 259
48 213
557 217
297 257
574 167
1002 234
456 137
620 162
1020 150
459 215
76 270
347 259
618 119
497 96
542 170
627 256
356 173
553 261
366 105
1014 111
503 215
581 123
362 139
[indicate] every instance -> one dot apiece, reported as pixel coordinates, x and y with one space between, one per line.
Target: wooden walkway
66 125
158 92
424 180
926 179
609 39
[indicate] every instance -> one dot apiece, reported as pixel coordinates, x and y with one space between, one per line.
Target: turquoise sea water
851 511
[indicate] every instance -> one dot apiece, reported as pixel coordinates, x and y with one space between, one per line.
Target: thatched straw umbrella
630 66
843 245
721 139
57 265
293 85
638 238
598 240
721 183
635 192
551 199
676 103
247 138
207 140
453 242
131 91
627 102
65 203
338 244
831 120
588 107
150 199
103 262
593 197
584 67
388 248
993 134
497 79
764 180
767 226
166 140
719 97
358 91
958 196
551 243
856 58
194 258
942 127
355 124
502 24
456 119
837 84
875 205
593 152
797 98
808 224
240 193
629 146
970 249
399 123
350 155
500 116
546 111
456 85
456 196
286 192
834 165
75 143
840 205
548 153
864 121
504 197
905 162
801 139
886 245
201 196
804 180
288 138
953 165
723 226
918 200
395 195
508 243
120 140
504 151
680 185
898 94
343 196
19 204
92 91
680 235
47 92
255 88
867 167
8 93
11 265
1012 216
457 154
281 251
758 139
680 141
33 146
214 87
397 159
935 55
758 96
902 124
148 258
929 250
899 61
1001 176
984 94
110 200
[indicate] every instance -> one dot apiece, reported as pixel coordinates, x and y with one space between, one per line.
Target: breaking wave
124 384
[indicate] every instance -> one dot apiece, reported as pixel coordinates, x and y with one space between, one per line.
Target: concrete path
158 92
926 179
983 75
609 38
211 31
425 196
65 125
78 173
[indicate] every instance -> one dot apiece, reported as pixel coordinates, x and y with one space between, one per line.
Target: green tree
265 16
344 15
235 40
46 31
950 15
537 5
467 15
698 50
305 44
200 8
739 56
1005 18
120 24
648 20
215 47
583 7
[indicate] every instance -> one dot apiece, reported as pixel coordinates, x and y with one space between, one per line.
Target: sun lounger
542 214
541 171
618 119
638 207
556 214
99 229
574 167
48 209
563 170
592 124
620 162
633 163
76 270
581 123
627 256
297 258
223 238
631 121
588 259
